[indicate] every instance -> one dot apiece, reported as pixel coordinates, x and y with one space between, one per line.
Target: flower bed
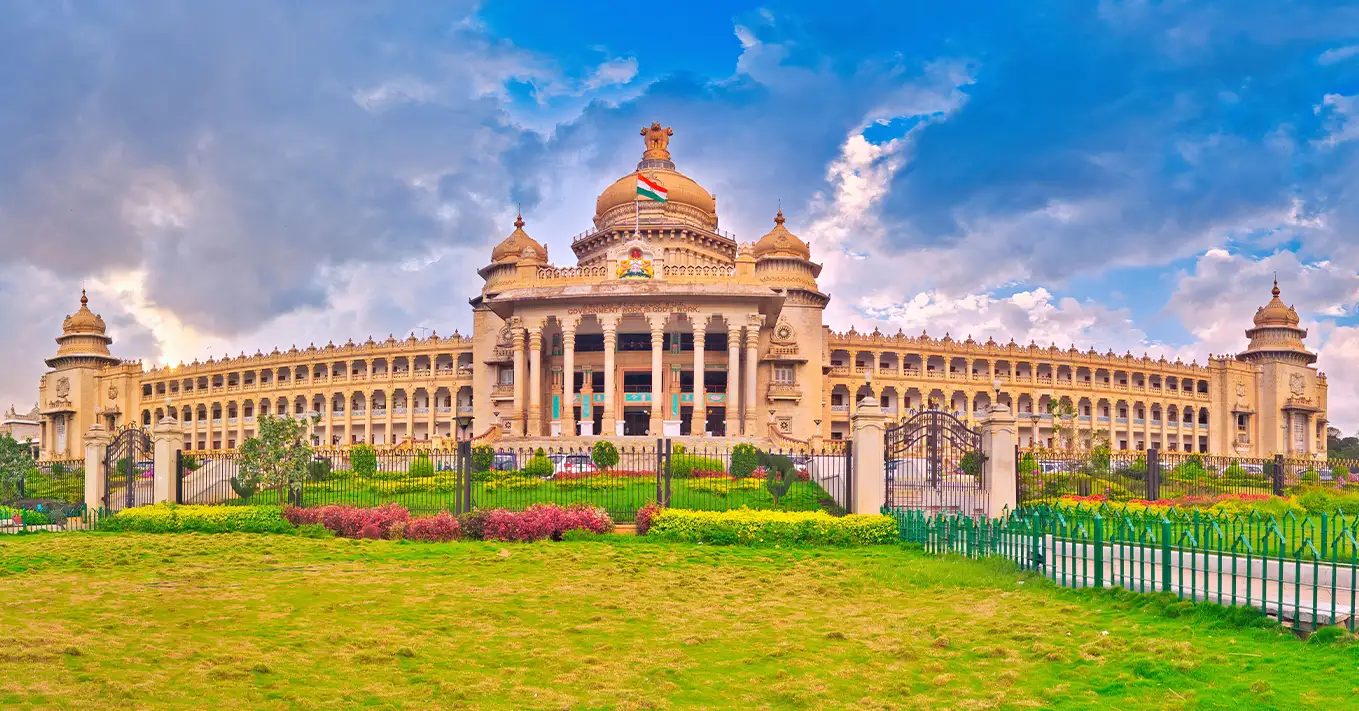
26 516
172 518
351 521
394 522
725 485
751 527
536 523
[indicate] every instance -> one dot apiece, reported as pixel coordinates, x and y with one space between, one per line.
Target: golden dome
514 245
1276 313
680 188
781 243
83 321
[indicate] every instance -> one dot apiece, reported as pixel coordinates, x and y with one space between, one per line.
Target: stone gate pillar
167 439
868 428
999 436
96 446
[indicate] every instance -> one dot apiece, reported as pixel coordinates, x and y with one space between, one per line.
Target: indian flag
648 189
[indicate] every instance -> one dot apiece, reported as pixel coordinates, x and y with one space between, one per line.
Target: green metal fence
1301 572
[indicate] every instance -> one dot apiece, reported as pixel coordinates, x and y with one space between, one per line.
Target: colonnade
526 342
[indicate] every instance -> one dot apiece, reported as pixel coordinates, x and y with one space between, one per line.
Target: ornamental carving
1297 385
784 333
63 386
657 140
635 266
113 392
634 308
1240 389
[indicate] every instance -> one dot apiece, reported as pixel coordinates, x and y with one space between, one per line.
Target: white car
572 464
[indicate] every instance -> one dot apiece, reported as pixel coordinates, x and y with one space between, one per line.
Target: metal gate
129 475
934 463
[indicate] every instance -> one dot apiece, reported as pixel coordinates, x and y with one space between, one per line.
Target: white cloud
1338 54
1342 118
613 72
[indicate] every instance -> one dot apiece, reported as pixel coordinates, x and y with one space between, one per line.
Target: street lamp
464 422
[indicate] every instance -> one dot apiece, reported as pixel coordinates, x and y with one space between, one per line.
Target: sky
231 177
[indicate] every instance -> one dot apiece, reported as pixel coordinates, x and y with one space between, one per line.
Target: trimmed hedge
172 518
750 527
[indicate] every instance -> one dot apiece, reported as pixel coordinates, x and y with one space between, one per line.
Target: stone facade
668 326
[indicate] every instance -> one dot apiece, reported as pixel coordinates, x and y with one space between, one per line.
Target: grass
621 503
275 622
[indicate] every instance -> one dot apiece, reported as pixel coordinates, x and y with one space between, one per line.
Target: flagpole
636 216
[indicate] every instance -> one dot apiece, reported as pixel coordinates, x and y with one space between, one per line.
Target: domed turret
1276 334
686 202
83 339
781 243
512 248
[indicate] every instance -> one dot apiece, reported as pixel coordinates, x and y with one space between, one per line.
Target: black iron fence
45 495
1045 476
620 479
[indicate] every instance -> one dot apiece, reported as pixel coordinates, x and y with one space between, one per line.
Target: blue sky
1128 175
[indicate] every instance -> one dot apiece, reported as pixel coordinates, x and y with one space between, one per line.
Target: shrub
540 466
683 466
319 469
30 517
350 521
513 483
314 530
473 524
421 466
172 518
363 460
1028 464
1340 472
644 516
748 527
604 455
1310 477
744 459
439 528
971 463
544 521
590 483
724 485
244 488
483 458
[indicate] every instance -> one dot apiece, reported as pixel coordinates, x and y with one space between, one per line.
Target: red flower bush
543 521
644 516
709 474
606 474
351 521
440 528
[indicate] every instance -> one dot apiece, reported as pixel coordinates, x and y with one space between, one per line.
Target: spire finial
83 299
519 221
1275 292
778 219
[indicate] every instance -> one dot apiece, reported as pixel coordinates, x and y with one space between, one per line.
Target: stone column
699 419
610 422
657 324
167 440
368 409
752 373
869 485
998 435
733 380
535 383
96 446
568 379
517 416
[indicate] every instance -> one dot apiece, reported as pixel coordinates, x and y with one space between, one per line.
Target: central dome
686 201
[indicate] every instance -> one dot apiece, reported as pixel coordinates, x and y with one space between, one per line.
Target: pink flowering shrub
543 521
351 521
440 528
644 516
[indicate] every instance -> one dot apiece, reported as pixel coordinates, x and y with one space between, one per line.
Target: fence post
1099 551
179 477
1153 474
868 441
466 482
167 439
1165 555
999 444
1278 477
669 463
660 470
96 446
849 476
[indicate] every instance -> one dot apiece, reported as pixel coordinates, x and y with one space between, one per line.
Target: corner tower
68 394
1290 392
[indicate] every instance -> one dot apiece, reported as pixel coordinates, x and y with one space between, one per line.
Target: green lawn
93 620
622 497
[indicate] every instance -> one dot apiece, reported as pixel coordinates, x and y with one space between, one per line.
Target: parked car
572 464
505 462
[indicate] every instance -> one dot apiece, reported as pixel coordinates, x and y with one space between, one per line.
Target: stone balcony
784 391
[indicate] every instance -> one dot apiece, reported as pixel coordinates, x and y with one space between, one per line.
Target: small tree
604 455
363 460
483 458
16 461
744 459
279 457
